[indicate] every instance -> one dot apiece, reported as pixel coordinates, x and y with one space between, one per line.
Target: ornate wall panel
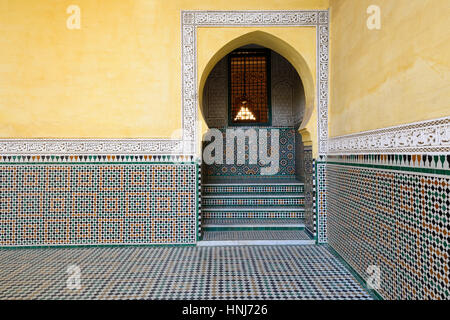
286 157
191 20
432 136
392 211
88 203
310 212
321 200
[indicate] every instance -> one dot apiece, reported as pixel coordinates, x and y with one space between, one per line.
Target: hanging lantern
244 103
244 114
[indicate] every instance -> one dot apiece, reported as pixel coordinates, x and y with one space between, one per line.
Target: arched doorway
239 201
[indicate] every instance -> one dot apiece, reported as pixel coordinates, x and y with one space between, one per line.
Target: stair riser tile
253 202
252 214
272 228
252 189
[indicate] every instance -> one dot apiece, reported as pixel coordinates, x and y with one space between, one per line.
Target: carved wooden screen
249 78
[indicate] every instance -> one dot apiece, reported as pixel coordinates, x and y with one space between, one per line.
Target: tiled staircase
253 212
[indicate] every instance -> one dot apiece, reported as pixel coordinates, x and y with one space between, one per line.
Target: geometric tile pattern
321 202
199 202
286 157
310 212
256 235
85 204
250 213
258 272
428 163
244 188
385 213
272 198
244 221
254 202
92 158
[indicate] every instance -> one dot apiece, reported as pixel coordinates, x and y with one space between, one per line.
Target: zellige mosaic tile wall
310 212
393 211
86 203
286 155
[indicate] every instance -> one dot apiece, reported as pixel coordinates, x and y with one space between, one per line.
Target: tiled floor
268 272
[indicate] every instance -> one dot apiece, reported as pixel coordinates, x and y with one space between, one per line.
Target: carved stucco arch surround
276 44
191 20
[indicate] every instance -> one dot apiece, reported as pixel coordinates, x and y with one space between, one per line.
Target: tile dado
309 167
392 211
98 203
287 142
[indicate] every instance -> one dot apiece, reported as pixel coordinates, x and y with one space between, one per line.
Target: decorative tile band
94 204
321 201
286 157
432 136
431 163
309 191
280 188
395 219
210 213
239 201
199 202
94 158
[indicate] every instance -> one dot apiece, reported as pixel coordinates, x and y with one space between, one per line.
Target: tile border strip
90 158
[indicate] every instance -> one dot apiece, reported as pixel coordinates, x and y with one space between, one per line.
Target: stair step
253 201
251 213
255 237
252 188
260 209
252 196
255 180
242 222
252 224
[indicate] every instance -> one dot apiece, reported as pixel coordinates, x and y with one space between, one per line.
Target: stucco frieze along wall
388 165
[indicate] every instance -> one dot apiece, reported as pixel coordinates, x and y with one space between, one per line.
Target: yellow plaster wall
398 74
117 77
